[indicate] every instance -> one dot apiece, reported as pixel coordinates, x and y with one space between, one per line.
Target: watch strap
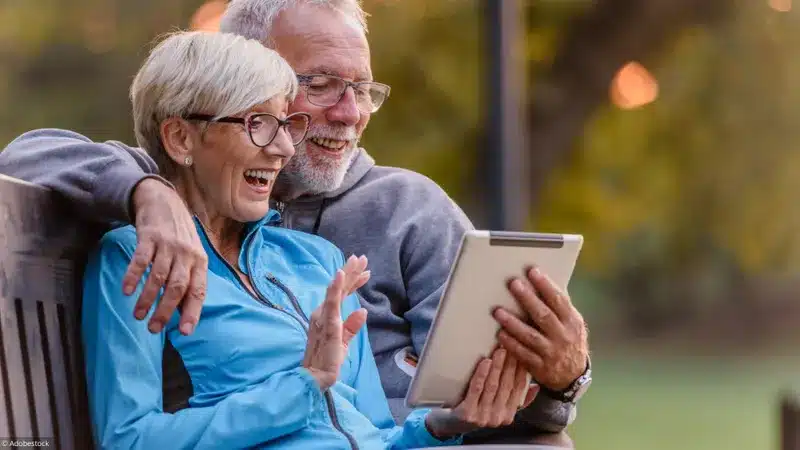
568 395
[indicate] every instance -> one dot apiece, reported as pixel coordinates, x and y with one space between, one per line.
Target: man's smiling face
319 40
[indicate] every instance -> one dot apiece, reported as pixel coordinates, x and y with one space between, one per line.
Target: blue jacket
244 358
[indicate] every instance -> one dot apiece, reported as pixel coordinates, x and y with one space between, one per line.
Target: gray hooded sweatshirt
402 221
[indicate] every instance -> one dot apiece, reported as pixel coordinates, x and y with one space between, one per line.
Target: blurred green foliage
689 204
685 203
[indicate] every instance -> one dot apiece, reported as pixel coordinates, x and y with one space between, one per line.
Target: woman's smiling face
234 176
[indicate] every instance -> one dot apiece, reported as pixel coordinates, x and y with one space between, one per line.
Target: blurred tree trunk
596 45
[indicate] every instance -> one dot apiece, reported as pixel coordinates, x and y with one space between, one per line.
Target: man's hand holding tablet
554 348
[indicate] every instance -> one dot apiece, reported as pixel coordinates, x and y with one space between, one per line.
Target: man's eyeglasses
263 127
327 90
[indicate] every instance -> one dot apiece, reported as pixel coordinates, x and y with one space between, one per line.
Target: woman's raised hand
328 335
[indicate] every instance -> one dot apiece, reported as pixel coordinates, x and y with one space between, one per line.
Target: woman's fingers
504 394
533 391
361 280
521 385
468 408
490 389
354 269
347 279
334 295
352 324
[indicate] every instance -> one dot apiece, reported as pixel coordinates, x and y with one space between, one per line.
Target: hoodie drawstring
317 223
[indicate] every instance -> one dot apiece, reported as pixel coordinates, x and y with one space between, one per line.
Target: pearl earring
187 160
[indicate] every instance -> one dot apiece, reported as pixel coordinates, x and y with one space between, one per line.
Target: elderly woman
272 362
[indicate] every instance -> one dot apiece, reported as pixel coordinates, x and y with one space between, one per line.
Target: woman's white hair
253 19
219 74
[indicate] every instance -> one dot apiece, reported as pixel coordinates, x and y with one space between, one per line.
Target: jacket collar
271 218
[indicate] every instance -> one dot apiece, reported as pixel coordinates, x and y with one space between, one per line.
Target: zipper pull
274 280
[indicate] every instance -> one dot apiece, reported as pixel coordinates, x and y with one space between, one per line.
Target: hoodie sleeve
97 178
123 367
435 229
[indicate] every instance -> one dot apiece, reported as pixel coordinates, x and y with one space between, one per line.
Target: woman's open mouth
260 178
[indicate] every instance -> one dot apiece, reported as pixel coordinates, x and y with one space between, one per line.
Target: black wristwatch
575 390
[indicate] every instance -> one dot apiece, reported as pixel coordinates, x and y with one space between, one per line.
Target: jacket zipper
328 396
274 280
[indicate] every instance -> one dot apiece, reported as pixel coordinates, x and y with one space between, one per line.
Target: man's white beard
304 174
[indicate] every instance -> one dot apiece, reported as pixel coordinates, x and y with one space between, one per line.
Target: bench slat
76 378
63 407
43 416
20 403
5 386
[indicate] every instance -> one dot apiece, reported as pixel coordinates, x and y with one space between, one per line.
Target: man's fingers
159 272
192 303
522 332
352 324
539 312
177 285
556 299
527 358
141 260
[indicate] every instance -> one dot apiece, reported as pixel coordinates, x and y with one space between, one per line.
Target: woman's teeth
331 144
259 177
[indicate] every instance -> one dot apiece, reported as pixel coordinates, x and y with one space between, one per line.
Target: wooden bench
42 383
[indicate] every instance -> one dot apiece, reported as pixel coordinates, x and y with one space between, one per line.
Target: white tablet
464 330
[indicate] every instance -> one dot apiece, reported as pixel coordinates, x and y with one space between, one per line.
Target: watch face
584 386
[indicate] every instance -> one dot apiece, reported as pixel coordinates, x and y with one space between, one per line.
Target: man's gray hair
220 74
253 19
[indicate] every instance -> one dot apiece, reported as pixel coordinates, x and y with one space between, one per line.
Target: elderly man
402 221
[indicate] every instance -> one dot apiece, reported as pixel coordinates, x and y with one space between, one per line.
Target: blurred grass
652 400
